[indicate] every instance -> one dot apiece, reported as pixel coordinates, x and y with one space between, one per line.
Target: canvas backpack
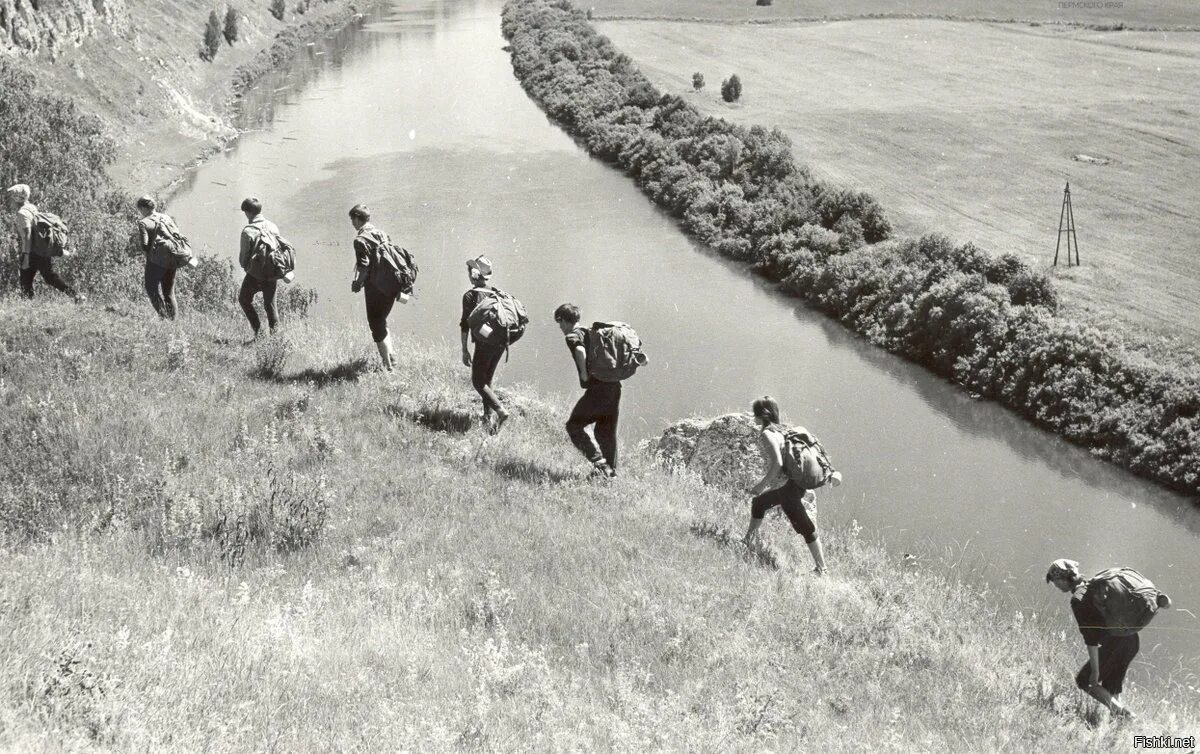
804 459
49 236
614 351
272 257
170 248
1127 600
504 316
393 268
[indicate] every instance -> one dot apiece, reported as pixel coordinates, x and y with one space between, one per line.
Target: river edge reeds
988 323
232 547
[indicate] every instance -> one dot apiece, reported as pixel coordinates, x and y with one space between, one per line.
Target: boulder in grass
722 451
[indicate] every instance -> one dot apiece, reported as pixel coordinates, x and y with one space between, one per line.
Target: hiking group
1110 608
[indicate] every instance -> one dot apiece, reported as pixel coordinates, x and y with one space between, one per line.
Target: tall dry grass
211 546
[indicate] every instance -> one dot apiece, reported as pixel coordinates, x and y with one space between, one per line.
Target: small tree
302 7
212 37
278 8
731 89
231 25
697 81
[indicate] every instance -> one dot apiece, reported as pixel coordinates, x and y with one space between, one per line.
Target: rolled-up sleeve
469 302
362 254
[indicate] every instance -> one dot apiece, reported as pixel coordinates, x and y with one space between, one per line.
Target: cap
481 265
1062 568
19 189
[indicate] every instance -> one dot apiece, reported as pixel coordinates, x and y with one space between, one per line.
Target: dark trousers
160 287
483 370
44 265
790 497
600 405
379 306
250 286
1116 654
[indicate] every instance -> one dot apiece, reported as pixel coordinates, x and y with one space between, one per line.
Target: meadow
210 545
973 129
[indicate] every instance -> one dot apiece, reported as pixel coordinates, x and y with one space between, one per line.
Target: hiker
487 351
257 280
1110 608
34 258
777 488
385 273
604 355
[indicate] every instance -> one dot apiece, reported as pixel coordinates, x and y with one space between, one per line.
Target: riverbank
277 546
990 323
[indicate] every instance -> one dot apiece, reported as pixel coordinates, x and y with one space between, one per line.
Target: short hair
767 408
360 212
20 190
567 313
147 202
251 204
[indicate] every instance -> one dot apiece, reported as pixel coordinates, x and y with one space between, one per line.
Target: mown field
972 130
1162 14
277 548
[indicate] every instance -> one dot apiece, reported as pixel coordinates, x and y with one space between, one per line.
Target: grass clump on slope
228 547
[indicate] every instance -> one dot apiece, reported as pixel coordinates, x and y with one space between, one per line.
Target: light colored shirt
23 224
250 235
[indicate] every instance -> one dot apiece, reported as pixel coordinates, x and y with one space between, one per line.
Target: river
415 111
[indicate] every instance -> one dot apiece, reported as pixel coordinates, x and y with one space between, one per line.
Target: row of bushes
61 152
988 322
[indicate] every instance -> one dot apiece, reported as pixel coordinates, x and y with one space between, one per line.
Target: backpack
49 236
1127 600
170 248
614 352
504 316
804 459
393 268
272 258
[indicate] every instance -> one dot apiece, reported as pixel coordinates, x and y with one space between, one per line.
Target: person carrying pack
266 259
385 273
794 465
1110 609
41 237
166 250
604 355
494 320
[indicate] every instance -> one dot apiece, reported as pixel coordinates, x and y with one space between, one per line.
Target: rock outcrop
723 451
32 26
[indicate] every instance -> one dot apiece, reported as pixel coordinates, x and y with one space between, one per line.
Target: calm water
416 113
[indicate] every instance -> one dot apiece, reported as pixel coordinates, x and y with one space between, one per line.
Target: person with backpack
493 320
385 273
40 238
604 355
259 238
166 250
778 487
1110 609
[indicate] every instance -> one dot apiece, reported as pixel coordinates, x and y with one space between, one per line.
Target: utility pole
1066 224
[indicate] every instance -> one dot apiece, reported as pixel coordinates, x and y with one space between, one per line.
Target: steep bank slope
136 64
275 547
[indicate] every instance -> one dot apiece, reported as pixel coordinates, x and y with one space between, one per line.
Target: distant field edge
989 323
837 17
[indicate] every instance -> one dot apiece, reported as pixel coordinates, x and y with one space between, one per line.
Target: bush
762 2
697 81
212 37
731 89
231 25
278 9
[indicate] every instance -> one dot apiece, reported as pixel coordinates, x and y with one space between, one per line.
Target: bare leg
818 555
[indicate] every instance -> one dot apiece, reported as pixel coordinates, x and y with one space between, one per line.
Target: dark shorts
1116 654
790 497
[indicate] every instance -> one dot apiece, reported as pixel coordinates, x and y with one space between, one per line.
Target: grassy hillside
929 116
215 546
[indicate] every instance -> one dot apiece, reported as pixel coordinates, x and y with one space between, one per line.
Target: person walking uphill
259 232
494 320
40 238
1110 609
604 355
777 487
166 251
384 273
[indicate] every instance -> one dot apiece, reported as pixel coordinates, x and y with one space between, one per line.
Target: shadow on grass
438 418
757 552
525 470
346 371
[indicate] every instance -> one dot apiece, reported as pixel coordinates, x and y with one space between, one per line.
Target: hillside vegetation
990 323
219 547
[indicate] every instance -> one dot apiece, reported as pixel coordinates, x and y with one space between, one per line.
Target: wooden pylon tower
1066 225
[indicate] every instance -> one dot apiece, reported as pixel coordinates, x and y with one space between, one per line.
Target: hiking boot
603 469
80 298
498 422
